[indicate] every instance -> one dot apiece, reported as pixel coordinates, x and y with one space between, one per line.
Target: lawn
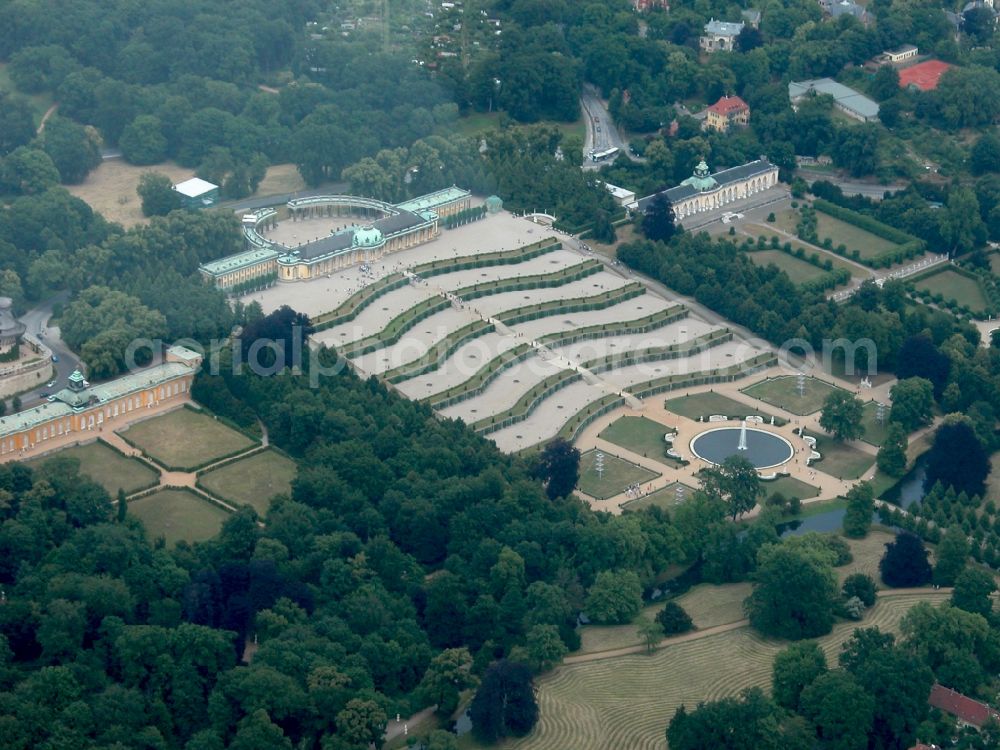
617 475
639 435
854 238
709 403
767 231
185 439
253 480
874 432
108 467
799 271
783 392
952 285
626 702
841 460
178 515
665 497
789 487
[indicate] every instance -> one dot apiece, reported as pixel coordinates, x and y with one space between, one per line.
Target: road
851 187
37 328
601 131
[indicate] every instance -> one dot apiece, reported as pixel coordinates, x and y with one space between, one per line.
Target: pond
910 488
762 449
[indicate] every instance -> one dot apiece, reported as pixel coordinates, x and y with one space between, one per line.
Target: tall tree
860 505
794 593
158 195
842 412
794 669
559 467
840 709
505 704
957 459
658 221
952 554
912 403
973 590
615 597
891 456
904 564
735 482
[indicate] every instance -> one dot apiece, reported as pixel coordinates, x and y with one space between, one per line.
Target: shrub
861 586
674 619
770 216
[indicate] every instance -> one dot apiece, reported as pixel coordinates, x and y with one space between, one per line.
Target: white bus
608 153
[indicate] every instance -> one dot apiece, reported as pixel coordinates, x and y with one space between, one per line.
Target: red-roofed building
924 76
969 712
728 112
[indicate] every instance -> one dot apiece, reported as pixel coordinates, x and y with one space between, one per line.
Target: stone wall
20 377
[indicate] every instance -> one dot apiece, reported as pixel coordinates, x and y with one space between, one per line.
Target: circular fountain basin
764 449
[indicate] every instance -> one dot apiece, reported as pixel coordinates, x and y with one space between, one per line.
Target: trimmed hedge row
465 390
152 484
395 328
434 357
725 375
987 284
403 322
485 260
481 379
527 403
605 330
832 278
465 216
577 304
909 246
353 305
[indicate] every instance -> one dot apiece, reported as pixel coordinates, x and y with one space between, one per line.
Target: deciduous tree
841 415
904 564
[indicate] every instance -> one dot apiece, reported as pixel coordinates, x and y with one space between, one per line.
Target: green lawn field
627 701
799 271
789 487
617 475
108 467
854 238
639 435
783 392
178 515
665 497
841 460
185 438
253 480
953 285
709 403
874 432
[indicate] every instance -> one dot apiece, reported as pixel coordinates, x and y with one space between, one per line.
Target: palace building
380 228
703 192
82 407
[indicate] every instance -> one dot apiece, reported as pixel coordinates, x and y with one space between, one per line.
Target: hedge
909 246
577 304
439 352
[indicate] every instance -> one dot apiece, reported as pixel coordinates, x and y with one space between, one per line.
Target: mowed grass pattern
627 701
107 467
253 480
665 497
639 435
178 515
185 438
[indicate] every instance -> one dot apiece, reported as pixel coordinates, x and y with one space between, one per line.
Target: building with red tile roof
924 76
729 111
969 712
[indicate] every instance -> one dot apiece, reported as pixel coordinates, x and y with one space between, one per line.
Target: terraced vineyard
627 701
495 338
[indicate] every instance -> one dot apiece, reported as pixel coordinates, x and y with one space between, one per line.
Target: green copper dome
701 180
367 236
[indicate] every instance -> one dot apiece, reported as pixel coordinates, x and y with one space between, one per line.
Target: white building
624 196
720 35
703 192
